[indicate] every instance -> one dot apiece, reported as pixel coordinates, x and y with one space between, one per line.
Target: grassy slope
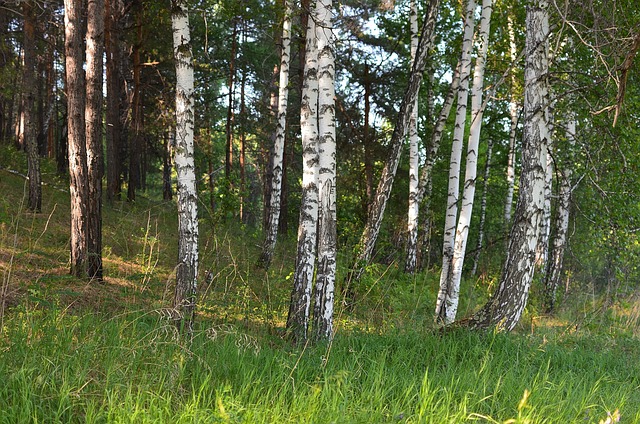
77 352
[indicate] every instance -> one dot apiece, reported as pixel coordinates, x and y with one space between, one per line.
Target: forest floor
78 351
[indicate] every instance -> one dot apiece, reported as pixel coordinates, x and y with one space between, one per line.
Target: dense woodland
347 161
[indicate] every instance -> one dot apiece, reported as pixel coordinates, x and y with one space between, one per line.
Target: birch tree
412 215
471 169
77 151
513 113
300 304
376 211
326 273
187 268
483 209
93 125
271 230
445 290
505 307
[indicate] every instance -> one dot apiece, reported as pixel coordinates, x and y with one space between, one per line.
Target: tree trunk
135 142
93 121
513 112
187 269
376 210
327 235
368 159
271 231
414 140
228 164
504 308
483 209
445 292
542 250
113 126
561 224
28 101
298 319
76 136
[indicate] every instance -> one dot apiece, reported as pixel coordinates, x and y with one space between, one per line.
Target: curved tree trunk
445 290
76 136
376 211
187 268
505 307
273 217
298 318
93 125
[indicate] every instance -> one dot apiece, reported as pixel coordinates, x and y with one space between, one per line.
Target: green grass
71 351
60 367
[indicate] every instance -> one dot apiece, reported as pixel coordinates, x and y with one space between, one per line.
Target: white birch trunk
278 149
513 112
561 224
187 269
414 205
298 319
505 307
542 251
454 166
471 169
326 274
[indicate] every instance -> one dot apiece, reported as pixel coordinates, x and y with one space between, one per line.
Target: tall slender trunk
542 250
513 113
561 224
483 209
93 125
505 307
376 210
445 291
299 307
271 230
368 160
76 134
187 269
113 126
414 140
243 131
228 164
327 235
135 142
28 99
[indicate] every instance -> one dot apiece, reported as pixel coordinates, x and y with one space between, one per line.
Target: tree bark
93 125
513 113
135 142
414 140
28 101
376 210
299 307
327 235
228 164
505 307
113 126
187 268
443 312
76 136
271 230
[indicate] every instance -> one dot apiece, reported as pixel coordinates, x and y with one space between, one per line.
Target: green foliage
60 367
